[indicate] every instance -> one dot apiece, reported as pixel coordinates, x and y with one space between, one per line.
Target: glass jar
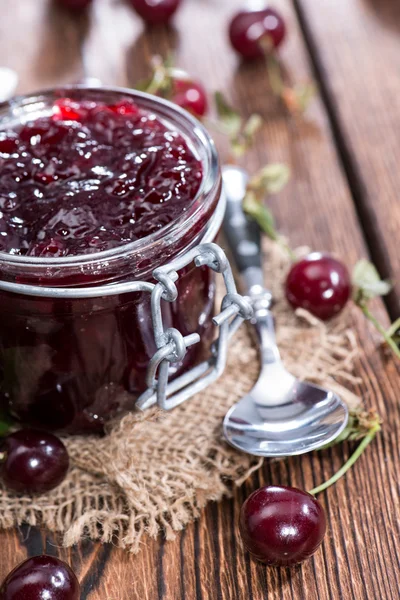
73 364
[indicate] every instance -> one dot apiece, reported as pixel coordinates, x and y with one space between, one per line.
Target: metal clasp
172 346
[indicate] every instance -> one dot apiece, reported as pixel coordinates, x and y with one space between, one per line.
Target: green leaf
229 118
241 134
252 126
261 214
271 179
244 139
367 282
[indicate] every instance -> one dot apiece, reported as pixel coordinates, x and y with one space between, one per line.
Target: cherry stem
287 248
160 73
275 74
394 328
155 84
388 339
349 463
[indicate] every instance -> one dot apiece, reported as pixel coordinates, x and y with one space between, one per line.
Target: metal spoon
281 415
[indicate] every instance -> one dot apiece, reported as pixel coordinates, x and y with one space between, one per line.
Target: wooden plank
42 43
357 48
359 558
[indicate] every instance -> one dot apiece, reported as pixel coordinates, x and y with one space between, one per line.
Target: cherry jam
90 188
89 177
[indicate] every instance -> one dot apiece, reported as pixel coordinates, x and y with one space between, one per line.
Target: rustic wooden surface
356 50
343 196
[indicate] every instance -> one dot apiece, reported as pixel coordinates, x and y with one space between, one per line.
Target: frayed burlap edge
155 471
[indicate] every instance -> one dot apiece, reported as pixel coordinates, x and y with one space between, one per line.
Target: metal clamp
171 344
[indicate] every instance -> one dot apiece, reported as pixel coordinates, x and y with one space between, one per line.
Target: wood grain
360 557
356 46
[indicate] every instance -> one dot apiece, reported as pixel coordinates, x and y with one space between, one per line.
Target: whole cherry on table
282 526
41 578
251 32
320 284
32 461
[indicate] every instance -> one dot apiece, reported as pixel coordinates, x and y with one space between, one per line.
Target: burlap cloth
155 471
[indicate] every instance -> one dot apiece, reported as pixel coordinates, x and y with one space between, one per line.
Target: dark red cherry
191 96
248 27
282 526
41 578
156 11
33 461
75 4
320 284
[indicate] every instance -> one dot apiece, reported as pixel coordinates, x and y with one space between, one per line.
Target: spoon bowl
310 418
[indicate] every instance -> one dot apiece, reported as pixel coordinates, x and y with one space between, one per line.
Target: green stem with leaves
388 339
350 462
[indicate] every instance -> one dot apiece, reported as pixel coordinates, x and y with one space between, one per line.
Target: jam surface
89 177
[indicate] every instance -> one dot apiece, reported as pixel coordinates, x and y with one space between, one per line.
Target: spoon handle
244 240
242 234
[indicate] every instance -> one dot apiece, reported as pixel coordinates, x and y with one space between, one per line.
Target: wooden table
344 197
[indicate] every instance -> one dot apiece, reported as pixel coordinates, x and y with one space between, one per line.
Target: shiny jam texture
89 177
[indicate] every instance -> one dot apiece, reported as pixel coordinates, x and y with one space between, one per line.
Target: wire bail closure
171 344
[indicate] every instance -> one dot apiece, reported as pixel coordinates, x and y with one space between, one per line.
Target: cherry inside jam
93 174
90 177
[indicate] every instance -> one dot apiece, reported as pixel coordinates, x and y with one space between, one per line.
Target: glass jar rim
209 180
